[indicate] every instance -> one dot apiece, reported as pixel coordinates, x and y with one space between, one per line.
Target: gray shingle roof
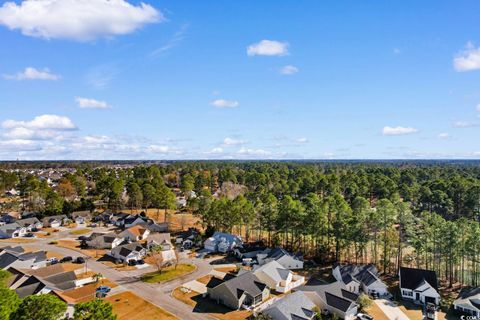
294 306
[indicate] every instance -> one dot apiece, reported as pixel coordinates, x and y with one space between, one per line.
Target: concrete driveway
392 311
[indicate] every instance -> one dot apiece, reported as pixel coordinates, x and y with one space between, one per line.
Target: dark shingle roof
411 278
7 259
246 282
337 302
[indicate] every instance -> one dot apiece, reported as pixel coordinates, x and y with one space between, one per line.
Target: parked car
141 261
103 289
363 316
66 259
132 262
80 260
92 225
82 238
29 235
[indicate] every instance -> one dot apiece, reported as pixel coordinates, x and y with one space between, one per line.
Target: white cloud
467 59
87 103
172 42
289 70
268 48
232 142
216 150
32 74
253 152
302 140
221 103
464 124
443 136
478 108
80 20
158 149
43 122
398 131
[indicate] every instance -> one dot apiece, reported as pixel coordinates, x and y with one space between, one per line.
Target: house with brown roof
135 233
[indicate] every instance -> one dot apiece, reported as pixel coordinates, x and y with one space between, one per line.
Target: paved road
391 311
158 294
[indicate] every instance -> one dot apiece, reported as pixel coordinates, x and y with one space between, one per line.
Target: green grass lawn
168 273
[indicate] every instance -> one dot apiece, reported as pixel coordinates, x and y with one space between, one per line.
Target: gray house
294 306
236 292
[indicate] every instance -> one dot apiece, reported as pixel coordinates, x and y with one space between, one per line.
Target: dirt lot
205 305
128 306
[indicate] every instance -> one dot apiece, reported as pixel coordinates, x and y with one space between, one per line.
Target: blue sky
92 79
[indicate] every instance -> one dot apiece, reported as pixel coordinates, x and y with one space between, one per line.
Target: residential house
31 260
55 221
126 252
155 227
162 240
419 285
103 240
30 224
15 250
135 233
236 292
333 298
6 219
468 301
128 221
282 256
222 242
360 278
295 306
275 276
12 230
81 217
188 239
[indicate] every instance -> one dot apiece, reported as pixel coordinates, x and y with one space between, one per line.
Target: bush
364 301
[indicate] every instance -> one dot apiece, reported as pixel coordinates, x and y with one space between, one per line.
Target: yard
110 262
128 306
80 232
168 273
375 311
205 305
85 293
75 245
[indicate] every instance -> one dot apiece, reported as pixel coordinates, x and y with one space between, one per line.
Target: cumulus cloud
232 142
221 103
31 73
268 48
43 122
398 131
87 103
443 136
302 140
253 152
80 20
464 124
289 70
468 59
158 148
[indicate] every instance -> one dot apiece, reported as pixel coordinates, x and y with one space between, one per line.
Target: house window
407 293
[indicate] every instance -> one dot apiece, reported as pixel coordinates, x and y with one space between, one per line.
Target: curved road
157 294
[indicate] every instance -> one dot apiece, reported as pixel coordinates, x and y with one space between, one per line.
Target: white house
54 221
12 230
468 301
360 278
419 285
282 256
222 242
127 252
275 276
162 240
30 224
